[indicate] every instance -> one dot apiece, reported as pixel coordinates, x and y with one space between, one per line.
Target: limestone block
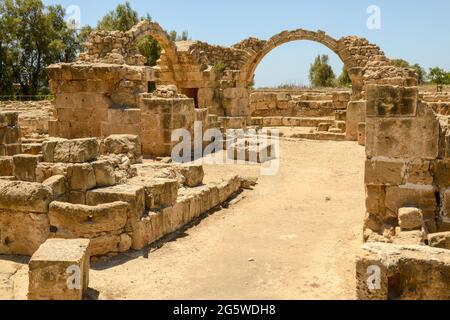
77 197
379 172
439 240
81 221
104 173
180 212
402 272
410 218
228 188
193 175
132 194
10 135
81 177
71 151
25 167
24 196
21 232
158 192
445 211
8 118
441 173
414 237
125 242
59 270
392 137
391 101
6 166
323 127
419 172
341 115
362 133
57 184
355 114
122 144
105 244
422 197
248 182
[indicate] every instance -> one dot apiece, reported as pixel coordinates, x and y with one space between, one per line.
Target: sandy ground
293 237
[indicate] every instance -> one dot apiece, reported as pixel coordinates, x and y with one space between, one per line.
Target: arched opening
288 65
249 69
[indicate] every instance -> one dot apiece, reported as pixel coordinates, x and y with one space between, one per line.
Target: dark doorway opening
191 93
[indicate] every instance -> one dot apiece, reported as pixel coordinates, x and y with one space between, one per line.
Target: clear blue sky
418 31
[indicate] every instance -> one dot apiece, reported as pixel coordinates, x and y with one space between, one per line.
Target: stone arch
153 29
354 52
249 68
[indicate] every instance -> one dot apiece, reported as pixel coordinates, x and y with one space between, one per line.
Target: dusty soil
293 237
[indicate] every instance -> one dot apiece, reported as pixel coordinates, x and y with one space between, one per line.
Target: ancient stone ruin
77 171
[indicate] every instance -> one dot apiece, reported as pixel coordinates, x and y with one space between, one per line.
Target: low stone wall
402 272
439 102
33 115
298 103
99 190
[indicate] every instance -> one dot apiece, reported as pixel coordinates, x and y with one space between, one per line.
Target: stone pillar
402 140
356 113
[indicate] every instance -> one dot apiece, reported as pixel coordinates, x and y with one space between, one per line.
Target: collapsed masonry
99 190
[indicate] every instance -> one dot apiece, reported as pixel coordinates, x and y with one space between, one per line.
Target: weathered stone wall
297 103
99 190
10 134
33 115
439 102
407 154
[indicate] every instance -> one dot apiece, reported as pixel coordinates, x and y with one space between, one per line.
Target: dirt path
293 237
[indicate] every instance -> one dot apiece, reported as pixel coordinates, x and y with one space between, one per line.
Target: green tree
174 36
122 18
344 79
421 73
439 77
32 37
321 73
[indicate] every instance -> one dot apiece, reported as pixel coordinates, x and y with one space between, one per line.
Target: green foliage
344 79
150 49
219 67
174 36
122 18
421 73
439 77
32 37
321 73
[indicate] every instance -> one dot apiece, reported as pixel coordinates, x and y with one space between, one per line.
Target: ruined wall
99 190
10 134
407 159
266 103
33 115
